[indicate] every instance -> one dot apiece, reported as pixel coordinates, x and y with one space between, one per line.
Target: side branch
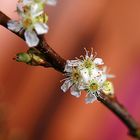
57 62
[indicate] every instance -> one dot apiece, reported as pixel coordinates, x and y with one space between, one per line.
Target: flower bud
23 57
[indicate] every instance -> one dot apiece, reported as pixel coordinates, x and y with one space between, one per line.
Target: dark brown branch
50 55
3 19
113 104
58 63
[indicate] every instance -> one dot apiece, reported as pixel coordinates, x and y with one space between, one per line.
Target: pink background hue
35 106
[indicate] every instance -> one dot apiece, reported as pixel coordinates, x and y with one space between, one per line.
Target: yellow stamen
75 75
27 22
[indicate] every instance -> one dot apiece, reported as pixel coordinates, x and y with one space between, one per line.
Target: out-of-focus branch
49 56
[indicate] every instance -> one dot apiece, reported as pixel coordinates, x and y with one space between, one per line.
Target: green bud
37 59
23 57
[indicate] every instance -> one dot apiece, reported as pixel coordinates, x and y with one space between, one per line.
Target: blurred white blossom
89 74
32 19
51 2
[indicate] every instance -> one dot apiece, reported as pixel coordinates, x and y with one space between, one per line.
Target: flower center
93 87
27 22
75 75
88 63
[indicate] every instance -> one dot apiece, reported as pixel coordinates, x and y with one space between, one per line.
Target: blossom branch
57 62
48 53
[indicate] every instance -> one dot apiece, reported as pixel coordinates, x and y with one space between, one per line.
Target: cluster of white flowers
87 74
32 19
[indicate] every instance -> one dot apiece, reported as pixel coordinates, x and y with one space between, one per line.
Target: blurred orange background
35 107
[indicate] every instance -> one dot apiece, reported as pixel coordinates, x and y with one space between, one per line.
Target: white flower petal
14 25
31 38
90 98
27 2
68 68
73 63
106 72
82 86
66 85
41 28
102 79
51 2
110 76
85 75
95 73
36 10
98 61
75 91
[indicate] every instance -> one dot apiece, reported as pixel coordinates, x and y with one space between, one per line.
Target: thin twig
58 63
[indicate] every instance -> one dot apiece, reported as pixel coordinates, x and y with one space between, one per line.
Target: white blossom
89 74
51 2
73 81
32 19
